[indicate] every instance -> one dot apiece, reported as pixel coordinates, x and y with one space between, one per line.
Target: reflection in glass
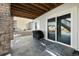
51 29
64 29
35 25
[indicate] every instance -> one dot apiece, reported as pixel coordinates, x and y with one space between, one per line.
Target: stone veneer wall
6 28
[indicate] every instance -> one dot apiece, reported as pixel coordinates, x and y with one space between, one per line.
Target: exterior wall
22 23
33 25
6 33
38 24
78 26
61 10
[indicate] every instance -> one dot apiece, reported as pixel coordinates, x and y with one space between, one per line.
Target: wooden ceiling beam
47 5
52 6
18 9
22 14
25 8
31 7
38 5
25 12
22 10
31 10
56 4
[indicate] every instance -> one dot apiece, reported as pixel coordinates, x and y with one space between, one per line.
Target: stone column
6 28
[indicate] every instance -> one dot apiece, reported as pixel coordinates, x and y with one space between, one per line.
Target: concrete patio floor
27 46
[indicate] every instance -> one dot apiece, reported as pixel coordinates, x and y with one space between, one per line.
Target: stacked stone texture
6 33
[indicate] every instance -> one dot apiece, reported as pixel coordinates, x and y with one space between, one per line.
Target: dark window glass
64 29
51 29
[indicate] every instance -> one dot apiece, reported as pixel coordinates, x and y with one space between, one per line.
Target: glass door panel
64 29
51 29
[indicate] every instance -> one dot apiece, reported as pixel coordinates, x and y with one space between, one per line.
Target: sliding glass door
51 29
64 29
61 29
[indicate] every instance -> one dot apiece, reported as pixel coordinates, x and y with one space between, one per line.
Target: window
51 29
61 28
64 29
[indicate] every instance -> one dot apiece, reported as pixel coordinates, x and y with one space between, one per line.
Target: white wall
38 24
61 10
22 23
78 26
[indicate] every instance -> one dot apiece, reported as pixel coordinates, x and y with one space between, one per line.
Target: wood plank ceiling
31 10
